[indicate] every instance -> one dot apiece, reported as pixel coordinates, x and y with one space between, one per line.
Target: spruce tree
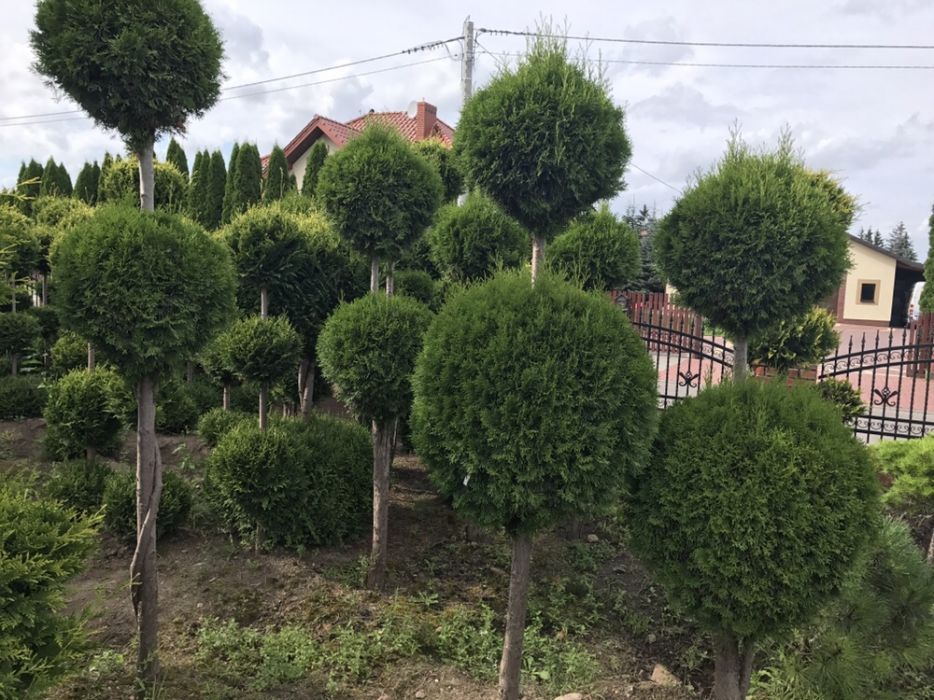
197 188
277 176
899 242
229 194
217 184
316 158
176 156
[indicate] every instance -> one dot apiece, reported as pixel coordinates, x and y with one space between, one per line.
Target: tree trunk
144 581
225 401
14 363
264 303
92 358
189 372
930 556
45 289
263 406
538 256
306 386
374 274
510 664
382 461
732 668
391 280
147 177
13 291
740 357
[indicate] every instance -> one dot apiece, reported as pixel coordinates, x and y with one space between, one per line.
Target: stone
571 696
419 694
663 677
592 539
651 638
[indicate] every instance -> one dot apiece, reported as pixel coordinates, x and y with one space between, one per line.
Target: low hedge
21 397
119 502
216 423
79 484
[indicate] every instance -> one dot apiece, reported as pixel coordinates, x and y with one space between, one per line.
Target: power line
655 177
415 49
721 44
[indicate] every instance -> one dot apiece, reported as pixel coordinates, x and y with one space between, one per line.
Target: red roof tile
404 124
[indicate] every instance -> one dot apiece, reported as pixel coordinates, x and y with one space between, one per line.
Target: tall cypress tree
217 185
247 179
197 189
30 185
63 181
50 182
316 158
105 166
176 156
277 176
230 195
87 182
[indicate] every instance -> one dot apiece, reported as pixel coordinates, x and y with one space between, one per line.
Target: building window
868 292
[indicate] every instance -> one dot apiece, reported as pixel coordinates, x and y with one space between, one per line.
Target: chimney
426 117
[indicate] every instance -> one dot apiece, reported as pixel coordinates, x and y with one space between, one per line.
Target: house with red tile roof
418 123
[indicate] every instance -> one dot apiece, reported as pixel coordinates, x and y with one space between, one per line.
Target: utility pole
467 59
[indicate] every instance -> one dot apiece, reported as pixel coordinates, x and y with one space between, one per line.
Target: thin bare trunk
740 357
147 177
510 665
931 549
144 580
92 358
374 274
538 256
45 289
263 406
391 280
90 454
732 667
13 291
189 372
14 363
264 303
382 461
306 386
225 401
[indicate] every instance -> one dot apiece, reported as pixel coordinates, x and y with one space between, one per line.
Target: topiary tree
138 68
756 504
756 240
44 545
86 414
598 251
148 290
804 340
263 351
175 155
277 183
19 251
316 157
380 194
443 159
197 189
19 333
518 428
69 352
245 179
122 182
214 203
214 362
470 242
229 191
87 183
525 141
367 350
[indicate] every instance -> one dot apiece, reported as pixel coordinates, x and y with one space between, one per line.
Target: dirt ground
204 574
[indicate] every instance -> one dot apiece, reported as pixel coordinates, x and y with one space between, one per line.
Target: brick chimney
426 117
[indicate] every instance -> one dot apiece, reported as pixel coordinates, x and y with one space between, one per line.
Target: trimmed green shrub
470 242
69 352
120 504
78 484
443 160
21 397
304 483
803 340
751 513
262 350
907 466
19 333
873 641
843 395
598 252
60 212
216 423
316 158
121 184
47 316
86 410
416 284
43 546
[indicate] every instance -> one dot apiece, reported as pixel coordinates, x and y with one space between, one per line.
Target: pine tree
217 185
176 156
197 189
899 243
316 158
248 179
229 193
277 176
87 183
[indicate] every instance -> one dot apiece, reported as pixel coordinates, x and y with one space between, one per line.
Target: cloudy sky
874 128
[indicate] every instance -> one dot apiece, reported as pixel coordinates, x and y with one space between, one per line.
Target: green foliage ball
262 350
757 239
18 243
754 506
844 396
598 252
121 184
908 466
445 163
367 350
60 212
19 332
43 546
305 483
544 140
86 410
21 397
216 423
69 352
379 192
531 403
141 68
797 342
78 484
147 289
470 242
416 284
119 502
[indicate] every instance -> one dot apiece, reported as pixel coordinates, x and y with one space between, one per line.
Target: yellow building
877 288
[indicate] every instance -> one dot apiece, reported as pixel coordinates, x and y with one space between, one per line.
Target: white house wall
298 168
